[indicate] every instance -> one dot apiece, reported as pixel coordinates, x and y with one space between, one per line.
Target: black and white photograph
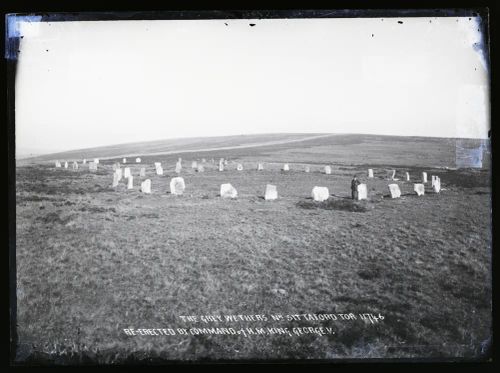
250 186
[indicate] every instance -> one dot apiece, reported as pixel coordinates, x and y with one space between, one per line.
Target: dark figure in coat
354 187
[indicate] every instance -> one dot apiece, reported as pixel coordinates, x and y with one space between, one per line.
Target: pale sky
86 84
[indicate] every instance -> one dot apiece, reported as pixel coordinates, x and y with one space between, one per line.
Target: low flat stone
228 191
320 193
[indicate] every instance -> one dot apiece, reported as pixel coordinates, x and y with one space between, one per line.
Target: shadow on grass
334 204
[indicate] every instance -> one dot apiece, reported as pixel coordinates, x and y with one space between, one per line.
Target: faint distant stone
65 164
116 179
239 167
271 192
138 160
92 166
225 162
200 168
394 190
407 176
58 164
362 192
228 191
286 167
157 164
75 166
126 172
119 173
221 166
194 164
116 166
130 184
178 167
370 173
328 170
437 185
307 169
179 160
203 160
320 193
260 167
177 186
433 179
96 160
424 177
124 160
84 161
142 172
159 170
419 189
146 186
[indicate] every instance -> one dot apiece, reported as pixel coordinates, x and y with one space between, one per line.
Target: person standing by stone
354 187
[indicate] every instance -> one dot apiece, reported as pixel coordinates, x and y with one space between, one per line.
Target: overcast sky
85 84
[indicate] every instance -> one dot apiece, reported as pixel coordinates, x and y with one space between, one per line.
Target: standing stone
116 166
142 173
130 184
92 166
437 185
157 164
159 170
271 192
328 170
228 191
419 189
146 186
178 167
115 180
286 167
96 160
124 160
84 161
225 162
177 186
424 177
58 164
362 192
138 160
221 166
179 160
395 191
320 193
75 166
393 174
119 172
433 180
194 164
126 172
307 169
407 176
239 167
370 173
260 167
65 164
200 168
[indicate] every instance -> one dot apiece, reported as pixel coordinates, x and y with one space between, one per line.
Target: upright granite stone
362 192
424 177
58 164
419 189
393 174
260 167
370 173
221 166
437 185
239 167
75 165
307 169
84 161
157 164
228 191
194 165
115 180
394 190
320 193
286 167
126 172
146 186
96 160
124 160
159 170
138 160
177 186
328 170
65 164
119 173
225 162
92 166
271 192
407 176
178 167
200 168
130 184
